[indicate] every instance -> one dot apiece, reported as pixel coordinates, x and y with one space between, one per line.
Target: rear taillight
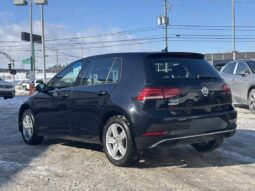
157 93
170 92
226 89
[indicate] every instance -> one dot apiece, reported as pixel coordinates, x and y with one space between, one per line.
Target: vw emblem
205 91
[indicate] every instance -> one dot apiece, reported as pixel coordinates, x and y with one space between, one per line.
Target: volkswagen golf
129 102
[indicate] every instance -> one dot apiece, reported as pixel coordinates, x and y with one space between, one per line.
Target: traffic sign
26 37
26 61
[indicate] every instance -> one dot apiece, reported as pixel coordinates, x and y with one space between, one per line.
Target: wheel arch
110 112
23 108
249 90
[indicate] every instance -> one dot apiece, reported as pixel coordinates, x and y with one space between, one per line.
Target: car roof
245 60
145 54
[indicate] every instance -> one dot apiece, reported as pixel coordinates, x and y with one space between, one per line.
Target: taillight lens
157 93
170 92
226 89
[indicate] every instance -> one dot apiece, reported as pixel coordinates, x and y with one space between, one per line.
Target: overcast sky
200 26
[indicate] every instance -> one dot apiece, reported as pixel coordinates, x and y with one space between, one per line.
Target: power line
148 29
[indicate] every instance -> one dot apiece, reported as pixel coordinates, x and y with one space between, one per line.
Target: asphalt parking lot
63 165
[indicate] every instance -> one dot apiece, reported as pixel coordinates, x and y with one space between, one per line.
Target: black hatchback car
129 102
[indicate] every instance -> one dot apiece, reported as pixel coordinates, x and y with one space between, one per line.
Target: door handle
102 93
65 96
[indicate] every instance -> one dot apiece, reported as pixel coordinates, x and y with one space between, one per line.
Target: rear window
168 68
251 65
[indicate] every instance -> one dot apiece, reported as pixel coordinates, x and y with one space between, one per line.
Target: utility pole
57 60
32 74
234 29
163 21
166 24
43 44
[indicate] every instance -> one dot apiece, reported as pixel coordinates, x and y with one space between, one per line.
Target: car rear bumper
188 130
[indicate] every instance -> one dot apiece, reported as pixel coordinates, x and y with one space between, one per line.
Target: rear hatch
184 85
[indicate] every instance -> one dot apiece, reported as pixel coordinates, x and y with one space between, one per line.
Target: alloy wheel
252 102
27 127
116 141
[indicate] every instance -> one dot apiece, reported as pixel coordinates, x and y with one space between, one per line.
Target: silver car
240 75
7 89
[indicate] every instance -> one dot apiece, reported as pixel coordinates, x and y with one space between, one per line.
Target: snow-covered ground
11 103
66 165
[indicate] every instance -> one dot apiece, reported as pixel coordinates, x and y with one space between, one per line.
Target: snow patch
8 165
239 157
12 103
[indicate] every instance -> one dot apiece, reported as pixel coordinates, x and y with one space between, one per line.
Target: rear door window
182 68
102 71
242 68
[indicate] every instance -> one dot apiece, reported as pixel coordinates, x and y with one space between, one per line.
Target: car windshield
183 68
252 66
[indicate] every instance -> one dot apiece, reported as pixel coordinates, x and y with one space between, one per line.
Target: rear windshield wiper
205 77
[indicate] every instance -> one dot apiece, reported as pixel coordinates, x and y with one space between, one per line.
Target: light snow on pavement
67 165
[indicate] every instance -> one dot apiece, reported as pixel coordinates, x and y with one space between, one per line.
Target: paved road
62 165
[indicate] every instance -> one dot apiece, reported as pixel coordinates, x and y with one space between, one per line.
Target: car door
92 95
52 107
241 82
228 74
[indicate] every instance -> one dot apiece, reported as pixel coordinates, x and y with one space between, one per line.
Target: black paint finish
79 112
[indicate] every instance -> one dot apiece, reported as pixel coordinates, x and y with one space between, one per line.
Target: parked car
26 83
7 90
240 75
129 102
23 84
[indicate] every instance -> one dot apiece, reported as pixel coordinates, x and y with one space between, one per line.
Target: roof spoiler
177 55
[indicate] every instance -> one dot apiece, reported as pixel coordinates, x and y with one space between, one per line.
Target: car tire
29 130
251 101
118 142
208 146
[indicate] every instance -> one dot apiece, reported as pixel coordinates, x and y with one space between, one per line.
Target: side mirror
41 88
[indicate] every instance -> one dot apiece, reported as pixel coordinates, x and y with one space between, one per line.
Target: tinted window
229 69
66 78
114 74
242 68
251 65
101 71
182 68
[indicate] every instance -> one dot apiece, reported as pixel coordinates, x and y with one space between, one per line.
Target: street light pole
234 29
43 44
32 74
42 3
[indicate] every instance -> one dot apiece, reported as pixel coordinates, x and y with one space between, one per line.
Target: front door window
66 78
